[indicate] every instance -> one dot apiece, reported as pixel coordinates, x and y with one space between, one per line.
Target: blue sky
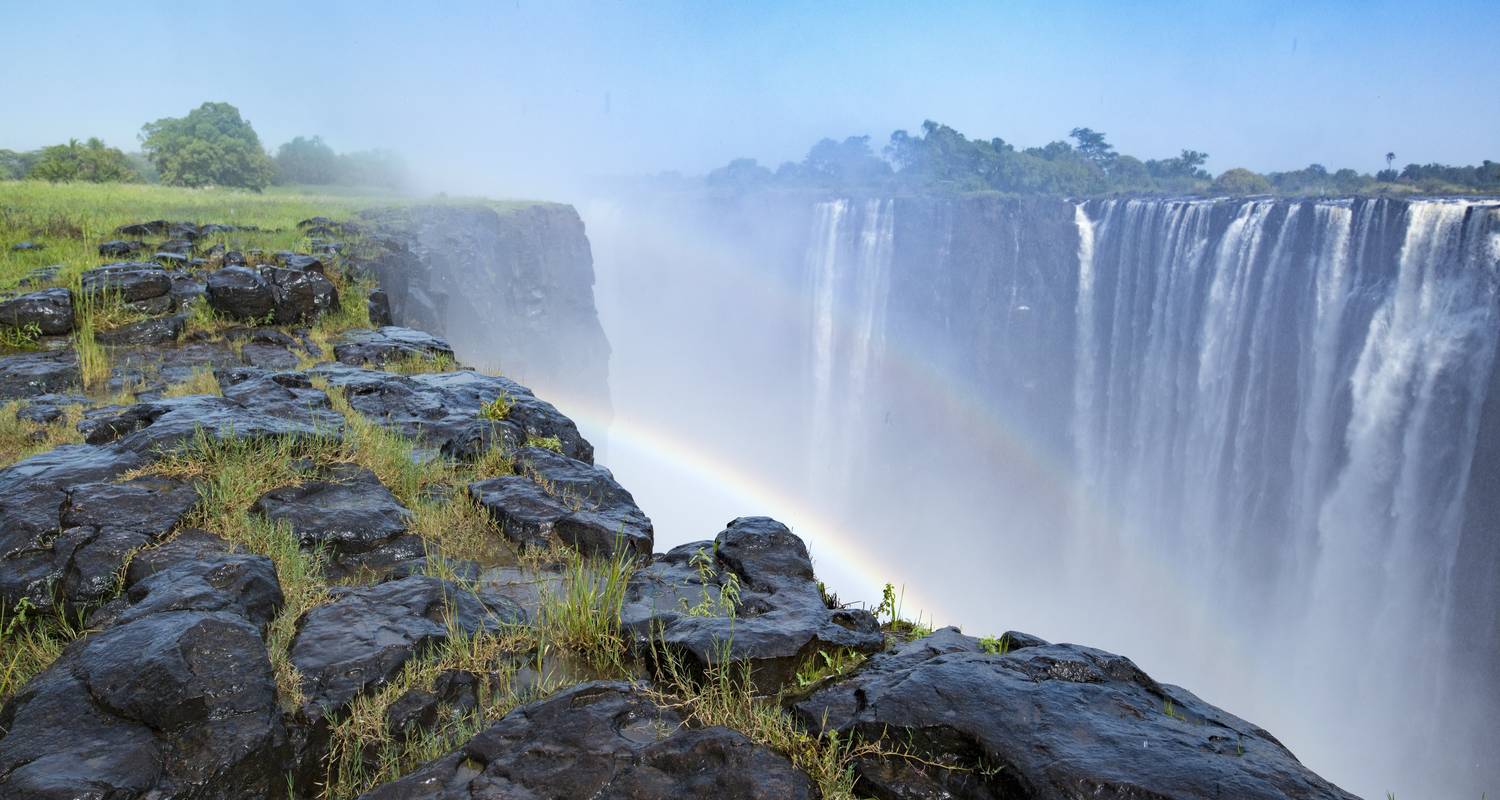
523 95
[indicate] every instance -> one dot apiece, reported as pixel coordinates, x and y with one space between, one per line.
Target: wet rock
32 374
65 529
26 247
48 408
50 310
240 293
176 247
364 636
381 346
300 261
119 248
287 395
190 545
264 409
602 740
1047 721
159 330
780 619
442 410
349 513
156 227
131 281
418 710
379 305
172 260
579 503
40 276
169 702
300 296
183 230
186 287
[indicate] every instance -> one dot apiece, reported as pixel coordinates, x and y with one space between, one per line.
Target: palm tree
1389 157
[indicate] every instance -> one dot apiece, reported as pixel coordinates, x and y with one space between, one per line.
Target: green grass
29 644
21 438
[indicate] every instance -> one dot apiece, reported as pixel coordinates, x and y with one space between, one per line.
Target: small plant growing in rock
1170 709
728 599
995 645
545 442
22 338
497 409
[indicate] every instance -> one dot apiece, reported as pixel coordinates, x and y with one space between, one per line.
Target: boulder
780 619
350 514
177 247
604 740
379 305
300 296
186 287
133 281
31 374
120 248
156 227
40 276
1048 722
383 345
189 545
50 310
364 636
157 330
579 503
264 408
300 261
442 410
176 699
26 247
240 293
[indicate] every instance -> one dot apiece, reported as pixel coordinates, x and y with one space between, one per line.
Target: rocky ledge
302 553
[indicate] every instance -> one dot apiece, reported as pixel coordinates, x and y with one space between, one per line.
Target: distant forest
942 159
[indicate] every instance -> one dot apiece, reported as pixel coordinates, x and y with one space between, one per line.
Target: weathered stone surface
175 700
33 374
379 305
157 330
442 410
186 287
780 619
578 502
383 345
363 637
300 296
300 261
349 513
189 545
602 740
50 310
47 408
240 293
256 406
119 248
131 281
52 543
1048 722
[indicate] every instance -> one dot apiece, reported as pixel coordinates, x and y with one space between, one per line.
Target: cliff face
509 289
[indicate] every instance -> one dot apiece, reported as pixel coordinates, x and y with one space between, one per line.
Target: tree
848 162
211 146
1389 157
741 173
14 165
1091 145
304 160
1240 181
89 161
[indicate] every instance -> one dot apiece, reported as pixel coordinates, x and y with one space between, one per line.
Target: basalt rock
300 296
240 293
579 503
603 740
442 410
120 248
780 619
156 227
384 345
350 514
145 286
157 330
48 408
175 699
50 311
364 636
26 247
379 304
1048 722
32 374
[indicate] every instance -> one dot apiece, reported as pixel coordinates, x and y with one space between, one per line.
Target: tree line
211 146
942 159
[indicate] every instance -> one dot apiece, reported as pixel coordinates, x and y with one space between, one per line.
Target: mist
1018 413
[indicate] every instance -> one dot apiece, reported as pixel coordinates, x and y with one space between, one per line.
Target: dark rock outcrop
138 283
120 248
350 514
176 699
32 374
364 636
442 410
155 330
50 310
240 293
1047 721
384 345
299 295
579 503
780 619
603 740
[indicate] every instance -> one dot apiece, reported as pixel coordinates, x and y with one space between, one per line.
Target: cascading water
1274 409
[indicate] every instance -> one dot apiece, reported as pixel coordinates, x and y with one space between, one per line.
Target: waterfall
848 270
1272 401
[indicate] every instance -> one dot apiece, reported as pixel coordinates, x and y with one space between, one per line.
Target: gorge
1251 442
